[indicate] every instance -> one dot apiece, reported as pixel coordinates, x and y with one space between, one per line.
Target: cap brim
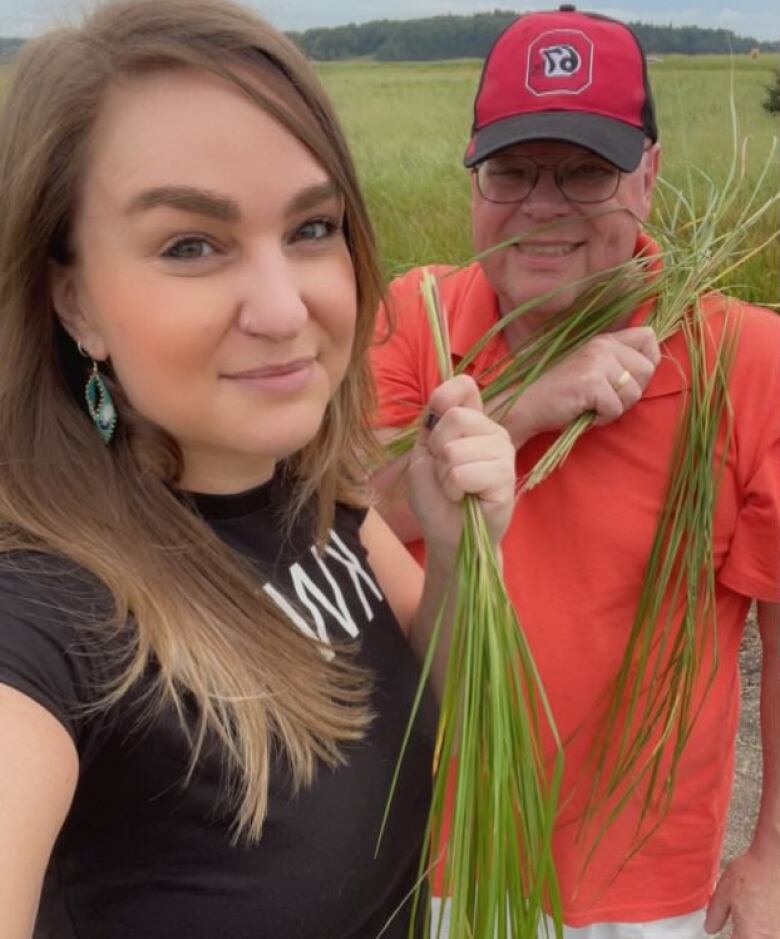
614 140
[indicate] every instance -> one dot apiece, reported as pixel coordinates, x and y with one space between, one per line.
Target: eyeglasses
506 178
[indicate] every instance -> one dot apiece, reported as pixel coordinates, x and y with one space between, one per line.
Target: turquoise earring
99 402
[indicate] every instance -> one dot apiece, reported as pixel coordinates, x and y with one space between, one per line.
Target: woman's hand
461 451
607 375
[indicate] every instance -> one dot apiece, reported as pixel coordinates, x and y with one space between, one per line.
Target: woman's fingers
475 465
463 452
471 453
459 422
488 481
460 391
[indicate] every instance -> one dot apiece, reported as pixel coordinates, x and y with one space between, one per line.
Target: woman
207 647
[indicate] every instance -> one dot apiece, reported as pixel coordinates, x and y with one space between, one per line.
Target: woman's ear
64 293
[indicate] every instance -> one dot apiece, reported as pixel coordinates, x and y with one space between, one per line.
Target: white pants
688 926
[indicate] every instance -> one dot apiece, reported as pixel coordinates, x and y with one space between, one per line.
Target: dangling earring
99 402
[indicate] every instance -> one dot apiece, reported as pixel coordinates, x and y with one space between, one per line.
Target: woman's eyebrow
186 199
312 196
221 207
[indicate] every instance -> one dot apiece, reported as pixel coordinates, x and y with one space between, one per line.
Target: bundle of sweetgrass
653 702
497 867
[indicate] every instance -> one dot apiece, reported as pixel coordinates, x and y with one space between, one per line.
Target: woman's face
213 271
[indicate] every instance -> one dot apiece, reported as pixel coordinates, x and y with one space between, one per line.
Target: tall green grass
408 125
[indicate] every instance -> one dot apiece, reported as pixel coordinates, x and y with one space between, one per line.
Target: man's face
572 240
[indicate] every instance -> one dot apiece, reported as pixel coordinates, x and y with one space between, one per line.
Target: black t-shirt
144 855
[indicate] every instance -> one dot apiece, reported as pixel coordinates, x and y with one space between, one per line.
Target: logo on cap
560 61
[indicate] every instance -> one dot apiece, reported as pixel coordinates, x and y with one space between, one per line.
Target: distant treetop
9 46
467 37
459 37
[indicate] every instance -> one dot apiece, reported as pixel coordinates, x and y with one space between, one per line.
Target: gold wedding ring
622 380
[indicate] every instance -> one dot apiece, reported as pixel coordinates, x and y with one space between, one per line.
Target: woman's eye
189 249
316 229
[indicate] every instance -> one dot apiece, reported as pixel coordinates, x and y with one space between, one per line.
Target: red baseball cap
565 75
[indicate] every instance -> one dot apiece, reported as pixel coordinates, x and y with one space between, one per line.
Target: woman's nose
272 302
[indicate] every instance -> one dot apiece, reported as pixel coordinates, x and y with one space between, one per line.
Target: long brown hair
194 604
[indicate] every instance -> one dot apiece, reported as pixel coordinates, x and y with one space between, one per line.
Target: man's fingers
608 404
640 338
637 364
719 907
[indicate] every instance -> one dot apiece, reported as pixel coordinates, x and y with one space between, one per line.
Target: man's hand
607 375
749 892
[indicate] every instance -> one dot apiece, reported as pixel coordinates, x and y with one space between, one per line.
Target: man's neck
520 330
532 323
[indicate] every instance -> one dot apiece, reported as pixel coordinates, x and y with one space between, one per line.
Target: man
564 151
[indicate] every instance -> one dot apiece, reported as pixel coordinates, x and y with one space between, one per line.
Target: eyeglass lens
581 179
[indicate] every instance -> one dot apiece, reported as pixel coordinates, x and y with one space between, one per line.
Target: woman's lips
281 376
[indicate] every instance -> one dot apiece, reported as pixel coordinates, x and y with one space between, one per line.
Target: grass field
408 125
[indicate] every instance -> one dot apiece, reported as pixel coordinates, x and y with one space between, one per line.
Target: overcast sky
759 18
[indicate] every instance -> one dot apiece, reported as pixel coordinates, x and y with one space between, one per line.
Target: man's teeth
547 251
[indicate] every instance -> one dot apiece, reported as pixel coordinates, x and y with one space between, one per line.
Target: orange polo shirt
574 558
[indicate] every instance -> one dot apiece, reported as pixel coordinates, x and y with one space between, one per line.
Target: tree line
456 37
464 37
9 46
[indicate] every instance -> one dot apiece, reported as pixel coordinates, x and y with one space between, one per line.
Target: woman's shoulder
51 590
51 611
43 570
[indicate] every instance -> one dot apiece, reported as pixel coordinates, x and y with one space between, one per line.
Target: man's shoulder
754 315
755 328
409 281
761 325
460 289
754 368
453 281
